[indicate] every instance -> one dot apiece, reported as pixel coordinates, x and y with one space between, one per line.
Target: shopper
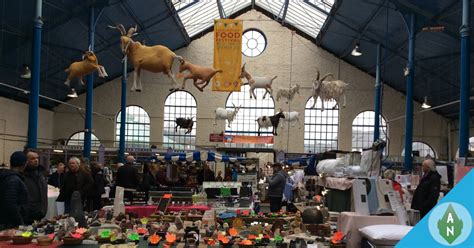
95 198
127 175
390 175
276 185
205 174
149 177
58 176
219 176
427 193
76 179
13 193
37 187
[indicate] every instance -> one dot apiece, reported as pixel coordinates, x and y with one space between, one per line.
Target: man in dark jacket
276 185
427 193
37 188
57 177
76 179
13 193
127 175
205 174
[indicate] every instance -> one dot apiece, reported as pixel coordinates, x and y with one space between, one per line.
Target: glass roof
305 15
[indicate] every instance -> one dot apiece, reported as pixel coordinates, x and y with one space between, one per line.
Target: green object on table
225 192
144 220
26 234
105 234
278 238
133 236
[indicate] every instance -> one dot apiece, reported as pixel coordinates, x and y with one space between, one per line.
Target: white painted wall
14 127
297 62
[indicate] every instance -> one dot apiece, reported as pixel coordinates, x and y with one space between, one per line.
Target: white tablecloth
52 209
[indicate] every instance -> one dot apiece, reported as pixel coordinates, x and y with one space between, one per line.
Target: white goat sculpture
292 116
328 90
288 93
154 59
258 83
226 114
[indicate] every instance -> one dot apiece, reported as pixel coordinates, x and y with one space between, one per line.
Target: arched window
363 130
137 127
244 123
77 139
179 104
422 148
320 127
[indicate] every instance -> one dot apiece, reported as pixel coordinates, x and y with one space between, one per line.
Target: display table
5 244
178 208
141 211
350 222
147 210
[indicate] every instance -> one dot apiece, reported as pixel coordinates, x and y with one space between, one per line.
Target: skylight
305 15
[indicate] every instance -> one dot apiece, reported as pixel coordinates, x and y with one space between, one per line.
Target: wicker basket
44 241
5 238
20 240
71 241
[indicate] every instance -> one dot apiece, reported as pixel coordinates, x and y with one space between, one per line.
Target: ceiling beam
221 9
285 10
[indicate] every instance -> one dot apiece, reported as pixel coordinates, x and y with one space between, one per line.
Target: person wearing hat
13 193
276 186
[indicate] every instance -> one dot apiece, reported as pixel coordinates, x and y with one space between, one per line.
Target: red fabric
398 187
141 211
187 207
6 244
145 211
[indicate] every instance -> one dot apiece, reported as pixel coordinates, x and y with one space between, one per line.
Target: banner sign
241 139
227 54
216 137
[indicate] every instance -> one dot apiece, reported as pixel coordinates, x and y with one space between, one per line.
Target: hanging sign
216 137
227 54
241 139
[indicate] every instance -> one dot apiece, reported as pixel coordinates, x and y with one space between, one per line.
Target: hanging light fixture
425 104
25 72
356 51
72 94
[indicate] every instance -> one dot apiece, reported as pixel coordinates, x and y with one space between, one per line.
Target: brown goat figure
197 72
151 58
82 68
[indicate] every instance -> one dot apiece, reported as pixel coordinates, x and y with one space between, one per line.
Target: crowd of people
24 187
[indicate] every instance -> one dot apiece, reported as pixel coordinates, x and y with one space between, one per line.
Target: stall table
350 223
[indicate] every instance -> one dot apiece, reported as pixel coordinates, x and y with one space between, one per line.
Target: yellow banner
227 54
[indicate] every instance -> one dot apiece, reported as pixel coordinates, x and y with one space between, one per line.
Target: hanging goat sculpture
82 68
328 90
197 72
288 93
154 59
185 123
258 82
269 121
226 114
292 116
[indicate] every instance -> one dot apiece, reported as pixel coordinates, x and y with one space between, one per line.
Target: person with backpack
276 186
13 193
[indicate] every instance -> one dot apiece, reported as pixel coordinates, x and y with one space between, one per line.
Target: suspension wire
289 101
